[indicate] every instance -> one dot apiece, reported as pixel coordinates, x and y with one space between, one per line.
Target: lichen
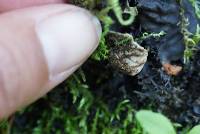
102 51
131 11
126 55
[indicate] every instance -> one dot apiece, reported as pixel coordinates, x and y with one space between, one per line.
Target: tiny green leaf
195 130
154 123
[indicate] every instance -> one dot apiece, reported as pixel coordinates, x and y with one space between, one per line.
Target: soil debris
172 69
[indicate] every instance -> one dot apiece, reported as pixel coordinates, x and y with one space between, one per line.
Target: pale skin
41 44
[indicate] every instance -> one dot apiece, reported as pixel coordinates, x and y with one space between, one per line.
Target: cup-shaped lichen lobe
126 55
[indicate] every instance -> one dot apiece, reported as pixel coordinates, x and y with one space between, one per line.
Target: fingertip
7 5
68 38
43 49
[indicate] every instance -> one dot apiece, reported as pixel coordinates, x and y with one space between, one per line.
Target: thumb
39 48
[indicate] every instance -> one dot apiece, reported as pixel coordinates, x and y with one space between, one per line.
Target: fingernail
68 38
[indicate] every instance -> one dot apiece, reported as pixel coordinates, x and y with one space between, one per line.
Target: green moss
191 40
87 115
4 127
131 11
196 5
102 51
146 35
89 4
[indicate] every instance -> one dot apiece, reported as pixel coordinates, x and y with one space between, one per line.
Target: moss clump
191 40
196 5
74 109
102 51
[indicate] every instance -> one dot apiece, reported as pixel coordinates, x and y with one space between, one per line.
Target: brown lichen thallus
126 55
